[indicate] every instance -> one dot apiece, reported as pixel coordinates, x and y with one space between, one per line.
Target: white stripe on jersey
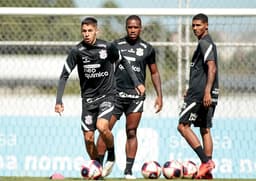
106 112
67 67
119 56
187 109
138 107
207 52
133 59
84 126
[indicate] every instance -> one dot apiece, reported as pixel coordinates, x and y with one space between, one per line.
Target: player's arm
140 88
156 80
67 69
155 77
209 59
207 100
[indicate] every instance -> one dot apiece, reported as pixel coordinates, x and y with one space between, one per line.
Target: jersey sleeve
151 59
69 65
207 50
114 53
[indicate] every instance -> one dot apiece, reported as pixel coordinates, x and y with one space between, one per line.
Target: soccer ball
172 169
189 169
151 170
91 170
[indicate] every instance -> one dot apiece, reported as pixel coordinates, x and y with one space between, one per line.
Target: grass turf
107 179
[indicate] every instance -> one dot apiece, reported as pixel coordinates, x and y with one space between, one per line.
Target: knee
104 131
131 133
204 131
89 138
180 128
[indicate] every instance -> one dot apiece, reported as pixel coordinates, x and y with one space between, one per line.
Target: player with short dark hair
95 60
201 97
140 54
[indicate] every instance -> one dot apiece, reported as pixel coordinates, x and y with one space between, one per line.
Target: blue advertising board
40 146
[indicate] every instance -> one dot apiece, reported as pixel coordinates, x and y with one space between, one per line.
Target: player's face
199 28
89 33
133 28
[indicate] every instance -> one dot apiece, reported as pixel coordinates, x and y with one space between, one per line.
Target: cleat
107 168
208 175
205 168
129 177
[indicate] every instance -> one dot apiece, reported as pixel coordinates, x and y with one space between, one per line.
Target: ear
97 31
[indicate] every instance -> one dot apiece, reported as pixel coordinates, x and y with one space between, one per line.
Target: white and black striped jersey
206 50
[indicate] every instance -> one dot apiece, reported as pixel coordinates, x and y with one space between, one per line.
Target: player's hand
140 89
158 104
59 108
207 101
185 93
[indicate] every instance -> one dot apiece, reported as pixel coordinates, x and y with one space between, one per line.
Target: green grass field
107 179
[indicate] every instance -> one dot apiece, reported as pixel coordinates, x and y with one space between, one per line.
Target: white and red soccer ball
172 169
189 169
151 170
91 170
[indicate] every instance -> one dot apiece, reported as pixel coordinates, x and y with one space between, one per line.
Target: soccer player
201 97
140 54
95 60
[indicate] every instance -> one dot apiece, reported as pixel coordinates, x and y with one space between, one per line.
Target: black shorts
93 110
127 106
196 114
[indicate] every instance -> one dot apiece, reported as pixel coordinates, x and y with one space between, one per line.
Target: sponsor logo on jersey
85 59
96 75
91 71
125 95
91 100
139 52
92 66
192 117
103 54
88 119
131 50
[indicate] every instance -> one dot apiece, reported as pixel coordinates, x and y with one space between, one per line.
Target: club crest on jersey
103 54
139 52
88 119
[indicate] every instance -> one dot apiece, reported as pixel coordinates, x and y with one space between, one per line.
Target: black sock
209 157
101 159
111 154
200 152
98 159
129 164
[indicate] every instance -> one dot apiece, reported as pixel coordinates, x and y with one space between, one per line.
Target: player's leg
101 146
132 123
105 112
88 122
89 144
189 115
207 141
108 138
205 132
